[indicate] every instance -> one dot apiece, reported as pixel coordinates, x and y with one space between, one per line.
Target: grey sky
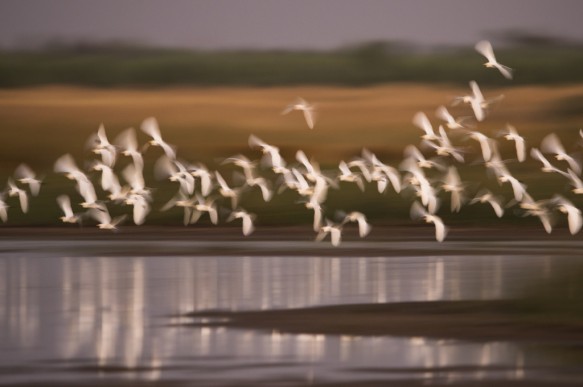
216 24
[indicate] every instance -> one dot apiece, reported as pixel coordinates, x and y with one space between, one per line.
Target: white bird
348 176
423 188
103 218
247 219
552 144
422 122
486 196
312 169
65 204
477 101
227 191
453 184
128 143
243 162
103 147
201 171
151 128
66 165
25 175
363 226
3 209
13 190
275 158
573 213
486 143
109 181
575 182
511 134
181 200
539 209
418 212
263 185
381 172
140 205
485 48
547 166
314 205
450 121
135 178
335 231
412 152
309 111
445 147
205 205
518 188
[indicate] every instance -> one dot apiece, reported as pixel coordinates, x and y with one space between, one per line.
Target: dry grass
40 124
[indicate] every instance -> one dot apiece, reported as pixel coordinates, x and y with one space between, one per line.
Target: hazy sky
217 24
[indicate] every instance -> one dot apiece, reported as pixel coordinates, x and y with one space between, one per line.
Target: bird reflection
112 311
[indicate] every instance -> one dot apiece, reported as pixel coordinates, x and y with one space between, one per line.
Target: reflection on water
110 317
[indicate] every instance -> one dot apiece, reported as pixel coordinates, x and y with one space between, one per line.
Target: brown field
40 124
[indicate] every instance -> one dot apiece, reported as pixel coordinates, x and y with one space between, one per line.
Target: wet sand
464 320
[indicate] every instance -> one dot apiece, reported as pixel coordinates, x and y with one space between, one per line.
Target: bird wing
485 48
65 204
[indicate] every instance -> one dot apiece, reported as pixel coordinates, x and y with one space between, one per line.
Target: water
116 318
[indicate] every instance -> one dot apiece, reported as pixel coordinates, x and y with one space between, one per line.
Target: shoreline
497 320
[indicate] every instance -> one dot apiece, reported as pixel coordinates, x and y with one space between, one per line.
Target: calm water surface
85 317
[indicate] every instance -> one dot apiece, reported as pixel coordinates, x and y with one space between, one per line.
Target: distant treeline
365 64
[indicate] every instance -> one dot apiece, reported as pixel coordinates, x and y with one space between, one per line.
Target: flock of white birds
201 191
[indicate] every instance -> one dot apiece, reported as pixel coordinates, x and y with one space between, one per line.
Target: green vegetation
366 64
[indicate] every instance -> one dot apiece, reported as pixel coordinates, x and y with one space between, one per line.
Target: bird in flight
485 48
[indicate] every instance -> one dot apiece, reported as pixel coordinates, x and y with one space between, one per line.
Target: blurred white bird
335 231
247 219
575 182
450 122
486 143
205 205
103 218
518 188
275 159
511 134
128 143
444 146
363 226
243 162
151 128
477 101
140 205
227 191
552 144
3 209
486 196
547 166
453 184
309 111
201 171
103 147
485 48
348 176
538 209
13 190
382 172
25 175
65 204
422 122
419 212
412 152
573 213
